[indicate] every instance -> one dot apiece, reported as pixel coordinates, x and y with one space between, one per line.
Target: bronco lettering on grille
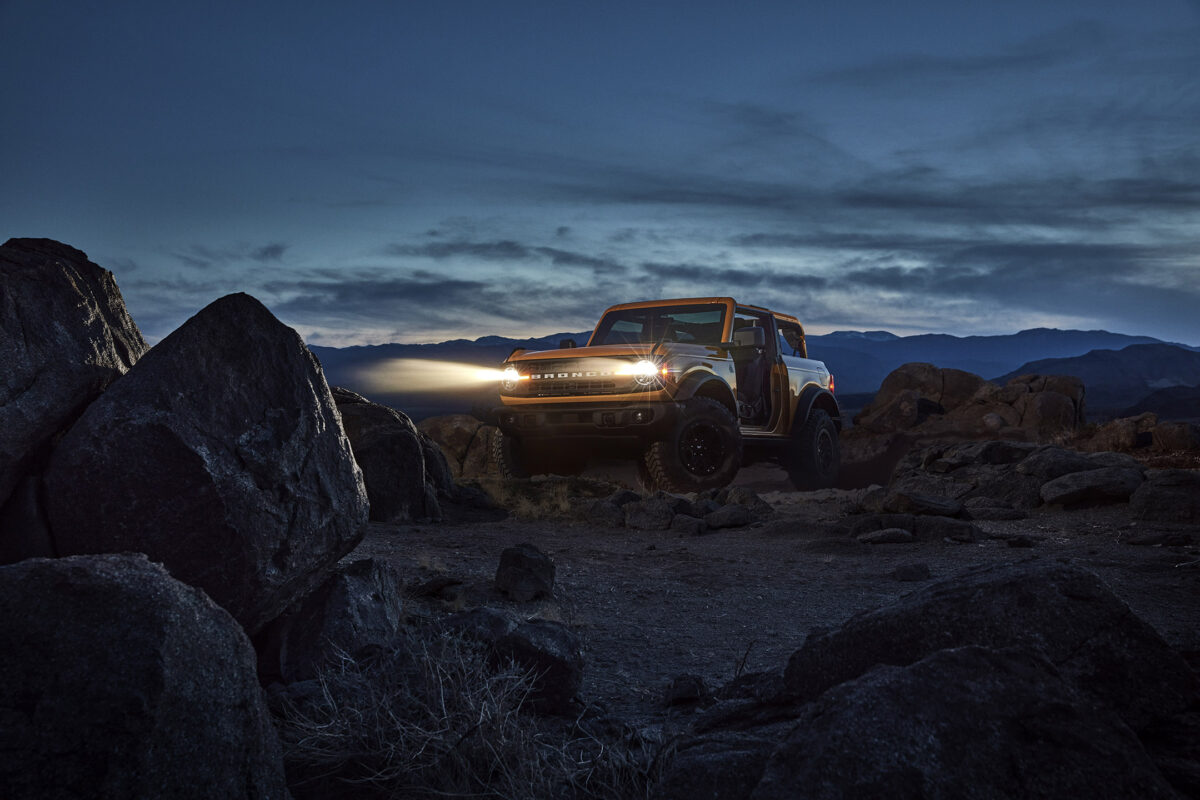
545 376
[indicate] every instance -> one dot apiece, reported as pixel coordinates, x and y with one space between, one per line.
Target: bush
429 718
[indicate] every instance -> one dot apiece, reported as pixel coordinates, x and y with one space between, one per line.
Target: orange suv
692 387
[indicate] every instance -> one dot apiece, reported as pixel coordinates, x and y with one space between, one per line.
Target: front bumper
641 420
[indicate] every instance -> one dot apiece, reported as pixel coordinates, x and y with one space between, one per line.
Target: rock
651 514
220 454
23 531
454 434
623 497
973 453
64 336
551 653
1110 459
1048 414
721 765
359 607
740 495
868 523
887 536
702 507
688 525
1155 538
912 572
603 512
901 502
1097 486
986 508
120 682
729 516
967 471
525 573
389 450
1051 462
485 625
1067 613
1170 437
965 722
685 689
1168 495
933 529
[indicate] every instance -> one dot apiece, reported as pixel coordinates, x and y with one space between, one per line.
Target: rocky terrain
225 578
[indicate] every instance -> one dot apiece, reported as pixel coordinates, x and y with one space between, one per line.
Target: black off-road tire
510 457
702 451
815 455
516 459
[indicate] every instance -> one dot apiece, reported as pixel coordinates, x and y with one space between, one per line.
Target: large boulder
358 609
455 434
1168 495
221 455
119 681
1065 612
64 336
1093 487
969 722
389 450
920 404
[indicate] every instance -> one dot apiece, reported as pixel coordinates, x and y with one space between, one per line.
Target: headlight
509 379
644 372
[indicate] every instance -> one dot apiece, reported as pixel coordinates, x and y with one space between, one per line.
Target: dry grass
553 497
431 719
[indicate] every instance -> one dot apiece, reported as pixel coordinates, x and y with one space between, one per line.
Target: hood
622 351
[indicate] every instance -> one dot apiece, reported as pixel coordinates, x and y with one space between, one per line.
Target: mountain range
1118 370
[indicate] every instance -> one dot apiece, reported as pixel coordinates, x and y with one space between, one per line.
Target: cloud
507 250
503 250
1064 45
269 252
721 281
203 257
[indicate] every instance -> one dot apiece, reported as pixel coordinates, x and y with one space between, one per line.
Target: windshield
694 324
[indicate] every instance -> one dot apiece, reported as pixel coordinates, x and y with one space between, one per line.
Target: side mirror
567 344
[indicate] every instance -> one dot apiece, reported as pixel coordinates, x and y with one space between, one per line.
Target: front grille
561 387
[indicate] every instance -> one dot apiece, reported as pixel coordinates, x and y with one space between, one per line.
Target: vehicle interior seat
752 370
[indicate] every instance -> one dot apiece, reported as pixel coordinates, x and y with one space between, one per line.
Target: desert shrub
431 718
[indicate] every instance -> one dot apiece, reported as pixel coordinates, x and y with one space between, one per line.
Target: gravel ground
651 605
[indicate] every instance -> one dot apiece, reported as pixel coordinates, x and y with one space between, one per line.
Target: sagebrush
433 718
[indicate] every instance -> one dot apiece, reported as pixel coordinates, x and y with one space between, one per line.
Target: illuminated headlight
509 378
644 372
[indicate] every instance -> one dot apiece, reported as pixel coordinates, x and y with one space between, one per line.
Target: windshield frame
633 311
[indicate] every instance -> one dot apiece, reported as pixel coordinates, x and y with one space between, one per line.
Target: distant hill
1174 402
859 360
1119 379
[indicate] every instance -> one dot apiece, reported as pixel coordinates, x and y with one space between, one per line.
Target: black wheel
703 451
816 455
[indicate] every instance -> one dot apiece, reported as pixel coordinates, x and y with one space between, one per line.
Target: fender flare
708 385
813 396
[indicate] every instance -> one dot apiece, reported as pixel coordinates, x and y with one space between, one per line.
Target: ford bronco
693 388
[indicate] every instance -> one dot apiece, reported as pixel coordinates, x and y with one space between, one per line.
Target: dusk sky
419 171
